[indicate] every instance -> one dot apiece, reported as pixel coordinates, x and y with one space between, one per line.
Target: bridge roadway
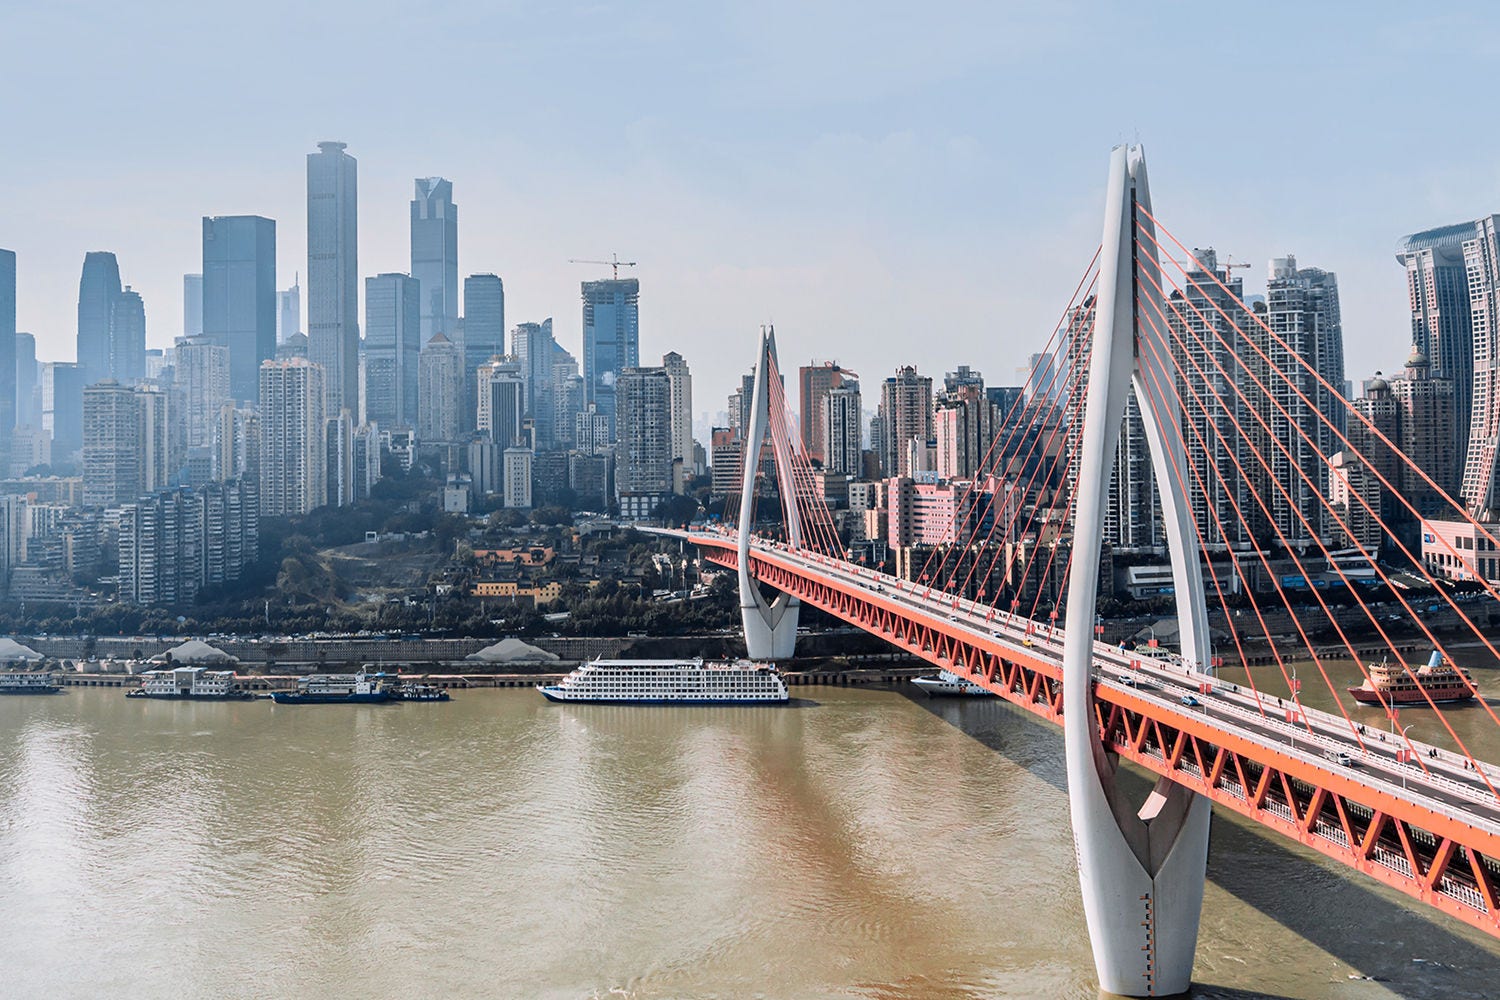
1164 680
1421 815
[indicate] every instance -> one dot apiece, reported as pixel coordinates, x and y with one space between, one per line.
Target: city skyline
858 230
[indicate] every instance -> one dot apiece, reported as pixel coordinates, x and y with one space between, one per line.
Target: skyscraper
906 415
506 411
293 473
434 255
97 291
681 408
533 347
1438 292
28 383
127 337
192 305
239 295
483 334
392 344
611 338
333 273
440 389
62 407
8 372
1481 478
1307 345
288 312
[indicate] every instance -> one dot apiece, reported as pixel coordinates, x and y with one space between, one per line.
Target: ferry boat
335 689
190 684
671 682
29 683
1438 681
947 684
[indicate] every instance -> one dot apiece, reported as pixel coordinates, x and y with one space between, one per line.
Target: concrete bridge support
770 626
1142 869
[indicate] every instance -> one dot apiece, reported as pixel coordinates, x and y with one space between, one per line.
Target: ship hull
1447 696
935 688
299 698
178 696
552 694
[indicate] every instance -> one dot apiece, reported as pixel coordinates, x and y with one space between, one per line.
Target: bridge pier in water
1141 871
770 626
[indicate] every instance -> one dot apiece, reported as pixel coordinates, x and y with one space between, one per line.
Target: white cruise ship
671 682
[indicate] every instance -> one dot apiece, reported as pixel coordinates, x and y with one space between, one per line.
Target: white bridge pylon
770 627
1141 870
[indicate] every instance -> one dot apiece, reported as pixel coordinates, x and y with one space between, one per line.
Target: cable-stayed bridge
1285 510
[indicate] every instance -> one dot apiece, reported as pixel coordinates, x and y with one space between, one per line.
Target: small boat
671 682
947 684
29 683
1437 683
336 689
190 684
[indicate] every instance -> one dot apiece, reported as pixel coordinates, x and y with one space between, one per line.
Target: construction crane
616 263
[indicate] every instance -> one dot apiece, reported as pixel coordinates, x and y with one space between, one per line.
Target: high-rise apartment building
515 480
814 382
333 273
288 312
113 453
237 444
202 370
392 345
591 431
172 544
239 295
127 337
192 305
1211 353
338 458
434 256
98 289
483 334
293 472
1304 415
681 406
643 426
506 407
906 414
440 390
841 423
611 338
963 424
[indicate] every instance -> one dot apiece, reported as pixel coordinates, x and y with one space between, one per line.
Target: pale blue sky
887 183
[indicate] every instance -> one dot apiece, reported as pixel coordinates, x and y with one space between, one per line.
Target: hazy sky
888 183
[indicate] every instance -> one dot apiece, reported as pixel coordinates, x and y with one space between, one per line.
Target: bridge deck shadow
1372 933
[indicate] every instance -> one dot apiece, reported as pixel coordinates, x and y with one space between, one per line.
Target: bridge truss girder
1435 859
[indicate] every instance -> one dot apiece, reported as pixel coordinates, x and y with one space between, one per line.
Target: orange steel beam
1433 857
